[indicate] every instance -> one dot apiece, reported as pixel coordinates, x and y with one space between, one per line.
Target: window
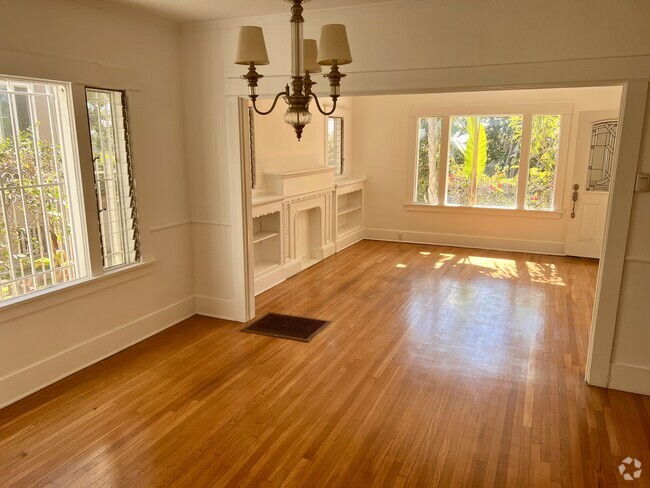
335 143
601 156
40 218
475 161
429 138
544 149
114 186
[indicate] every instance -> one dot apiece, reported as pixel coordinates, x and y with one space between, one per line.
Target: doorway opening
385 149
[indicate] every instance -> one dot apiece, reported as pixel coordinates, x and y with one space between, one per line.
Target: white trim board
24 382
479 242
217 308
626 377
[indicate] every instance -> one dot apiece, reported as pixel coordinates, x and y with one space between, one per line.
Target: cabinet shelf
264 266
347 229
348 209
349 216
262 236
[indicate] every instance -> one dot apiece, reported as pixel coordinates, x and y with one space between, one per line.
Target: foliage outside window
335 143
429 137
544 150
482 166
118 224
37 222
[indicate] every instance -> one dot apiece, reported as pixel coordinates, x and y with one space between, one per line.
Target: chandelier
305 60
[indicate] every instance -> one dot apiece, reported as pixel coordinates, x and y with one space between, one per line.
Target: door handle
574 197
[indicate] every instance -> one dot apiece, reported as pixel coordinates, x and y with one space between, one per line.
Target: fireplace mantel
299 181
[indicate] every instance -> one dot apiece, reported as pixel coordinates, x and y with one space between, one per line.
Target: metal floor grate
286 327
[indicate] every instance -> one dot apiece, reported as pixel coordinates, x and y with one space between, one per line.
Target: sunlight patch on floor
494 267
544 273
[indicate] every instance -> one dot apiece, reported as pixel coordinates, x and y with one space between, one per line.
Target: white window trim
50 297
527 111
74 186
96 277
337 115
459 209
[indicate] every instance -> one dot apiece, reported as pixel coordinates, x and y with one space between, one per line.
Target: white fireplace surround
279 242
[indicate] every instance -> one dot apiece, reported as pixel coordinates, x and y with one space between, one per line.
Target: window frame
128 162
94 277
67 134
342 151
527 111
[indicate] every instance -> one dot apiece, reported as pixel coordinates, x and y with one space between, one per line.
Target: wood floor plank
441 367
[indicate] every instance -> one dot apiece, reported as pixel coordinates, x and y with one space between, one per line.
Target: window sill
486 211
40 300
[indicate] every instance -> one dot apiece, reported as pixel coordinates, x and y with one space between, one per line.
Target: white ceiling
197 10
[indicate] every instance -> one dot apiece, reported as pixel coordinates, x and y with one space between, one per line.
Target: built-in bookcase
349 212
266 242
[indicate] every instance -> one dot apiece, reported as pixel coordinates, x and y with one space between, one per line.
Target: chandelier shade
310 56
251 47
334 46
305 60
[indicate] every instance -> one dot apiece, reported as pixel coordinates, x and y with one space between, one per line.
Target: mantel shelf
296 173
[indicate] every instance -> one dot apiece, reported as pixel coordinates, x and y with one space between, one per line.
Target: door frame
610 272
617 225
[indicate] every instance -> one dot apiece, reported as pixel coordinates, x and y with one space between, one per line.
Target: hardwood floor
441 367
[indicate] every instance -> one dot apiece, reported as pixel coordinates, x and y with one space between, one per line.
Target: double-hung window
43 231
498 161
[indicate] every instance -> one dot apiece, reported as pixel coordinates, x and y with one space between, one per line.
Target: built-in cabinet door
594 165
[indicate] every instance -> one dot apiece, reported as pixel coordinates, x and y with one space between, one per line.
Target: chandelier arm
313 95
275 101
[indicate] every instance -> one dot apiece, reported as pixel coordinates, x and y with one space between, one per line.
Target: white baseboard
36 376
349 239
215 307
328 250
626 377
480 242
269 280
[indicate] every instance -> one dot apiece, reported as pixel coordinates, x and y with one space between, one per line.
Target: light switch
642 182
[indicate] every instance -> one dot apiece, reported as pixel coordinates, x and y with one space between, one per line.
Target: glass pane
335 143
601 157
544 150
461 153
36 248
113 179
498 161
428 164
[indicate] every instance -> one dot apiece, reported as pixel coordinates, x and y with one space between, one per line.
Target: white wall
46 338
426 46
384 150
276 145
278 149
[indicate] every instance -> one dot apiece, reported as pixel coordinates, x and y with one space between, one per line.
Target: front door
593 167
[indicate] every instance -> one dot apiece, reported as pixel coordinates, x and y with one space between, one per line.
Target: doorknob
574 197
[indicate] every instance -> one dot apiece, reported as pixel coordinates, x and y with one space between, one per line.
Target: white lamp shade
251 47
310 56
334 46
